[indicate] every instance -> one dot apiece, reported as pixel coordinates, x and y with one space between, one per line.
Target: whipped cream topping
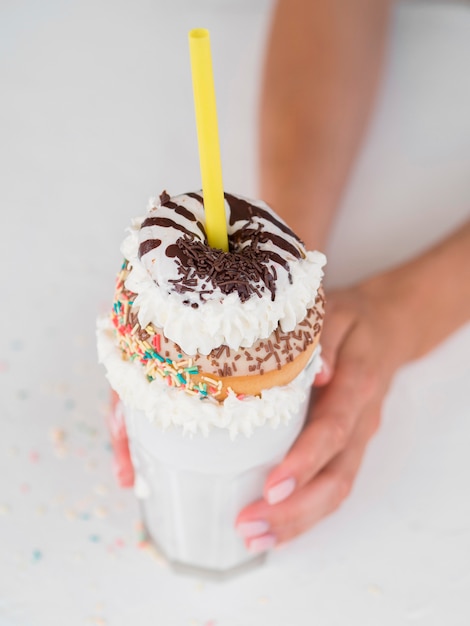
168 406
200 313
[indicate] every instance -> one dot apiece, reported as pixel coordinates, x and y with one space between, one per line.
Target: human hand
367 335
122 462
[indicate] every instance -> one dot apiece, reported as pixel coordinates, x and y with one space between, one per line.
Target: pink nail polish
281 491
252 529
261 544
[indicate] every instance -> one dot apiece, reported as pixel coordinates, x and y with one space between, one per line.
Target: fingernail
252 529
281 491
261 544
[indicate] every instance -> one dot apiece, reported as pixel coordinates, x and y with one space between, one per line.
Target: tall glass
191 488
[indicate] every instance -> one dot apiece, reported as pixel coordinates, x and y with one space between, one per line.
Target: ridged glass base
191 490
195 571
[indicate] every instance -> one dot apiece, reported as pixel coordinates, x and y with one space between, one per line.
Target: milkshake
212 354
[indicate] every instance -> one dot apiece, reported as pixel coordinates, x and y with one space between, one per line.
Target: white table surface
97 115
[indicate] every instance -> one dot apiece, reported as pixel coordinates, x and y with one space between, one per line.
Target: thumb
336 328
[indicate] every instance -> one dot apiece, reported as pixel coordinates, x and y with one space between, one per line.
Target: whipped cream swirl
168 406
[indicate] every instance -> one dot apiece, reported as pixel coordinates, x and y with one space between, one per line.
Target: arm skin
323 64
375 327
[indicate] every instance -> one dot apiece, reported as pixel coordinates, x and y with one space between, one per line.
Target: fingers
335 412
336 327
324 375
123 468
264 525
330 488
318 472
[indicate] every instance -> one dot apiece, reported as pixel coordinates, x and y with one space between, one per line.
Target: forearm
428 297
321 72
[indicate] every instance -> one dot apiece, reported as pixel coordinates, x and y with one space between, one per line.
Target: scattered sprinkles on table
37 555
34 456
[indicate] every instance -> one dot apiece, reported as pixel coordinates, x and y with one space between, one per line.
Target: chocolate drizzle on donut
249 268
148 245
257 236
181 210
165 222
196 196
164 197
241 209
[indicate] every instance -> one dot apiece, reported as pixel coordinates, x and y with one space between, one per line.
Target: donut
202 298
210 322
173 248
271 362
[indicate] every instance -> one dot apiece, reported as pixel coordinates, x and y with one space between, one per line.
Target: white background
96 116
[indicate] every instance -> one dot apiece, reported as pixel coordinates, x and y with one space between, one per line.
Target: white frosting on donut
219 318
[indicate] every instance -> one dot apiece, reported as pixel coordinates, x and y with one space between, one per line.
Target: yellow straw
208 138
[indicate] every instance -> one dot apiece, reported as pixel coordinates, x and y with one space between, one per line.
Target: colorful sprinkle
100 490
144 345
71 515
101 512
34 456
156 342
37 555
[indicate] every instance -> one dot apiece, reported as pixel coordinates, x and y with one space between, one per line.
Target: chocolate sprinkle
245 271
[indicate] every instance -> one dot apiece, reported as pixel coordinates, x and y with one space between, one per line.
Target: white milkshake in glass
212 354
